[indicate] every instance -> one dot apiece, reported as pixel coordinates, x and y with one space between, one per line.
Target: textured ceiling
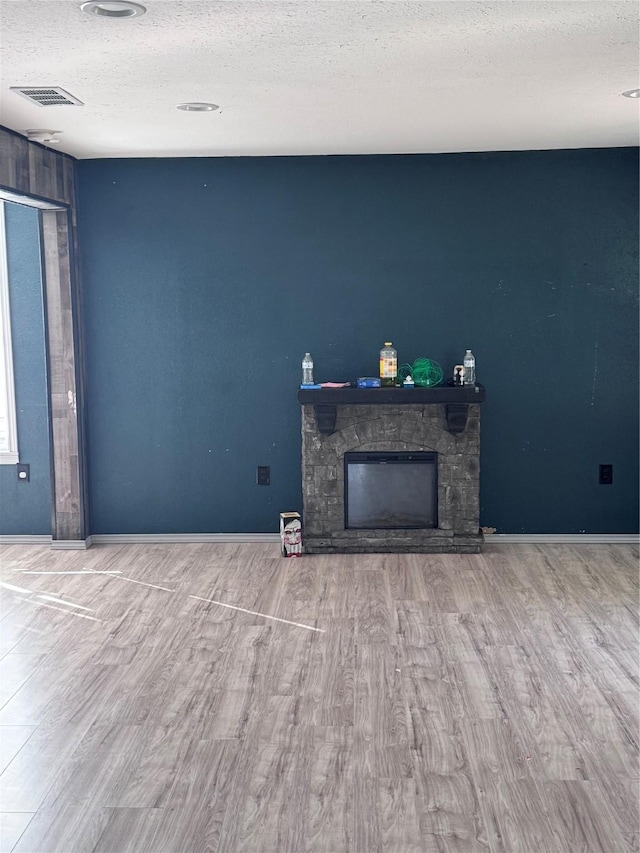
325 77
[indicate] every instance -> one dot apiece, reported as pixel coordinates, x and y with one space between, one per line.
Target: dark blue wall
207 279
26 507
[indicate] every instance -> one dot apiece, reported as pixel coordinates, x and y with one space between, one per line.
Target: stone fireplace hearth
442 420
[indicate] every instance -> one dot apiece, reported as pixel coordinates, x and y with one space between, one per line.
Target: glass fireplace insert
390 491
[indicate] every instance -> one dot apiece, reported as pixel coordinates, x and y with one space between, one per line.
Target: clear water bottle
307 369
388 365
469 363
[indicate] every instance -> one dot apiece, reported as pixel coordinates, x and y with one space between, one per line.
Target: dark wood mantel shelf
395 396
457 399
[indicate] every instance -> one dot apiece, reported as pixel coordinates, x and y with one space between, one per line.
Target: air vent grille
46 96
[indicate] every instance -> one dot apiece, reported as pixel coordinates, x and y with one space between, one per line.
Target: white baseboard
71 544
180 538
56 544
10 539
562 538
240 538
138 539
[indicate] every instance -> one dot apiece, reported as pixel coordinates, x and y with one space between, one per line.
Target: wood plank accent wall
37 172
33 170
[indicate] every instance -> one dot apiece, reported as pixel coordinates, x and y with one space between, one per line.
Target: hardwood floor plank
284 668
28 778
397 817
415 624
265 815
495 751
381 714
367 835
194 809
551 750
277 720
329 695
12 825
12 739
336 589
321 814
517 818
112 748
74 829
373 609
454 843
449 807
300 581
436 569
149 780
583 822
129 830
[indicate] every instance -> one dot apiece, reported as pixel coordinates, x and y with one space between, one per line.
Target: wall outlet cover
606 475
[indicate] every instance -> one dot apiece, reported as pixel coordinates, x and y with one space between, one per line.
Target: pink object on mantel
335 384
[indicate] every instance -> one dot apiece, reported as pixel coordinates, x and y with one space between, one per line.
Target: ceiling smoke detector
46 137
46 96
117 9
197 107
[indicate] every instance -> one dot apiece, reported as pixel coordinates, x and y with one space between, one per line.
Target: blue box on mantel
368 382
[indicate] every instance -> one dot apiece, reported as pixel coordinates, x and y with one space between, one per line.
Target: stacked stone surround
392 429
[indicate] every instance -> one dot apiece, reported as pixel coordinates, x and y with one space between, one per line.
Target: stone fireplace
442 421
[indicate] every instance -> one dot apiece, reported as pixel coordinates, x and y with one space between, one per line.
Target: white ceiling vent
46 96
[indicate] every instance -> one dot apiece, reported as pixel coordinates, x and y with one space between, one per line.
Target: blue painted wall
26 507
207 279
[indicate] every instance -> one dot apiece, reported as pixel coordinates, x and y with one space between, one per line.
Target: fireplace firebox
393 491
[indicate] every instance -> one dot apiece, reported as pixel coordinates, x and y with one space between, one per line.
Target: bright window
8 424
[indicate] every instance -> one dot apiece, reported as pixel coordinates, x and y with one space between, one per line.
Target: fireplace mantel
456 399
396 396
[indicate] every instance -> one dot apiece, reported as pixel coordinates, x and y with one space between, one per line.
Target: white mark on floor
142 583
254 613
63 601
79 572
61 609
15 588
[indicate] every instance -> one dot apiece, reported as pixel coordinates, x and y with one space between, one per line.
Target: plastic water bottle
388 365
307 369
469 363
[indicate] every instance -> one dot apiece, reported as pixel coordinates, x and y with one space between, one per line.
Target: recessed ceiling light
197 107
631 93
117 9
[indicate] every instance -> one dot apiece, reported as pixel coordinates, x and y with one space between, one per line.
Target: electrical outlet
606 475
24 474
263 477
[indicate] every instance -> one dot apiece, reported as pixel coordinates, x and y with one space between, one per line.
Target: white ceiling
321 77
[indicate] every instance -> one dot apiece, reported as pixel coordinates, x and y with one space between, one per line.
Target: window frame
10 456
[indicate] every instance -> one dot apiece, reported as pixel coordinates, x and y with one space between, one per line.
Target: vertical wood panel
65 426
33 170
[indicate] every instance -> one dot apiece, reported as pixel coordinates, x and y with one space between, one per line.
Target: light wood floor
442 703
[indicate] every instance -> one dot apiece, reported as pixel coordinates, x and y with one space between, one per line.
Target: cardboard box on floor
291 534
